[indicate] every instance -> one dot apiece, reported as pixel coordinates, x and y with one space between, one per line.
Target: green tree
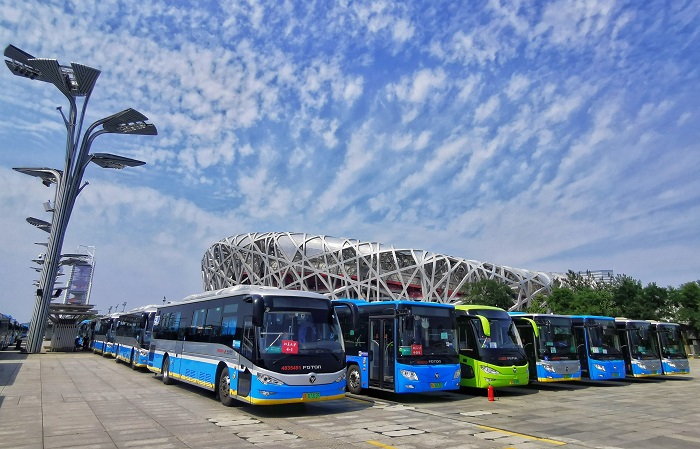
686 300
488 292
585 299
538 304
628 298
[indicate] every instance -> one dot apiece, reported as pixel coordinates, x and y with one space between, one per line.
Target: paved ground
76 400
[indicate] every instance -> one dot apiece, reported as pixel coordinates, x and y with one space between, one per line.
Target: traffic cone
491 393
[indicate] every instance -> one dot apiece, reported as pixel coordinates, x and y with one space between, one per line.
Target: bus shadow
592 383
10 365
320 408
524 390
412 398
678 378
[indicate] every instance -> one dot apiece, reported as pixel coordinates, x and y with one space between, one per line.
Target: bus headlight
269 380
599 367
457 374
410 375
488 370
341 377
671 364
548 367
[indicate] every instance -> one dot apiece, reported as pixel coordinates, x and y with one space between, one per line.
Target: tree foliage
624 296
488 292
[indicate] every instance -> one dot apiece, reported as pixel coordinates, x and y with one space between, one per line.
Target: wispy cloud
550 136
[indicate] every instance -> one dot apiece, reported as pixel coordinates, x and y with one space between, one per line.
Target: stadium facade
347 268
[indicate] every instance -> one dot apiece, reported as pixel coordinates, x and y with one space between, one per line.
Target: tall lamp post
74 81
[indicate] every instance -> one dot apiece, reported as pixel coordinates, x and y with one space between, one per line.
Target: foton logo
311 367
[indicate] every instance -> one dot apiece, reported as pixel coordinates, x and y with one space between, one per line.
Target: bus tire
224 388
354 379
132 365
167 380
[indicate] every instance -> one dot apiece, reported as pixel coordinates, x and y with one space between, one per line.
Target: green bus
490 349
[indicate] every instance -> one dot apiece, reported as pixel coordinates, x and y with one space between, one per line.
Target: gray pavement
57 400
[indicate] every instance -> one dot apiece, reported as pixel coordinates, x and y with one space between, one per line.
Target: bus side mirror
258 311
354 311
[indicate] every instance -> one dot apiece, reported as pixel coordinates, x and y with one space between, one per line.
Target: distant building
347 268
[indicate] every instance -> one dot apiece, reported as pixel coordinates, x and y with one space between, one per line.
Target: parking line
382 445
508 432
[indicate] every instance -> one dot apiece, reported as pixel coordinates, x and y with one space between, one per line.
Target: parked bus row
11 332
263 345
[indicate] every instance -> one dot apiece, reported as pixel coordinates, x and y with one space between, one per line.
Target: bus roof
476 307
363 302
537 315
246 290
595 317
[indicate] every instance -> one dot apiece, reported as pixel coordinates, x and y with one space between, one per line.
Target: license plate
654 372
514 382
567 376
616 374
311 396
436 385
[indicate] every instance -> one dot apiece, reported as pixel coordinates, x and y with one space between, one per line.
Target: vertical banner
79 285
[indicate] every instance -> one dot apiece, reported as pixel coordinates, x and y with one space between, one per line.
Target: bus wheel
132 365
354 380
167 380
225 388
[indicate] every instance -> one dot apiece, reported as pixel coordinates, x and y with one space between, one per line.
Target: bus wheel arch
354 379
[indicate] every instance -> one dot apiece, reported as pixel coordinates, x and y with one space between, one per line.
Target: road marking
507 432
377 443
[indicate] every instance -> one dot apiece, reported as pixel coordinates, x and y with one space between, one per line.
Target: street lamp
73 82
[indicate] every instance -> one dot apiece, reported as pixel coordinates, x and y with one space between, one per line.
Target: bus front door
381 373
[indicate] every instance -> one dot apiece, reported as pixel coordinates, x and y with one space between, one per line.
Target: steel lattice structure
347 268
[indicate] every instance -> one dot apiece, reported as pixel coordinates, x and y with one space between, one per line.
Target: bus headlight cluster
410 375
489 370
266 379
671 364
548 367
457 374
599 367
341 377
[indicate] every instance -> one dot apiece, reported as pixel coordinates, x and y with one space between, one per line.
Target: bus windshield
556 338
428 331
642 343
603 340
503 334
672 346
300 326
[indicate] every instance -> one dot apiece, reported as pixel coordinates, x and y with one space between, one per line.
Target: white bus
260 345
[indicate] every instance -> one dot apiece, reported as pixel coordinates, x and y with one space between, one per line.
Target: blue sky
550 137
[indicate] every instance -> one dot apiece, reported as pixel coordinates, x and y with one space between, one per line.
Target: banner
79 285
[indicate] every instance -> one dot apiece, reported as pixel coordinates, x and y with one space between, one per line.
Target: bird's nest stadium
347 268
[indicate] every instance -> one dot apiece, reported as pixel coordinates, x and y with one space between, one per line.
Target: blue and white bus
639 347
133 336
259 345
400 346
548 341
103 335
674 359
598 347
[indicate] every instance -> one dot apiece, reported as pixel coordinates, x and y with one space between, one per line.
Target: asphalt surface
83 400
